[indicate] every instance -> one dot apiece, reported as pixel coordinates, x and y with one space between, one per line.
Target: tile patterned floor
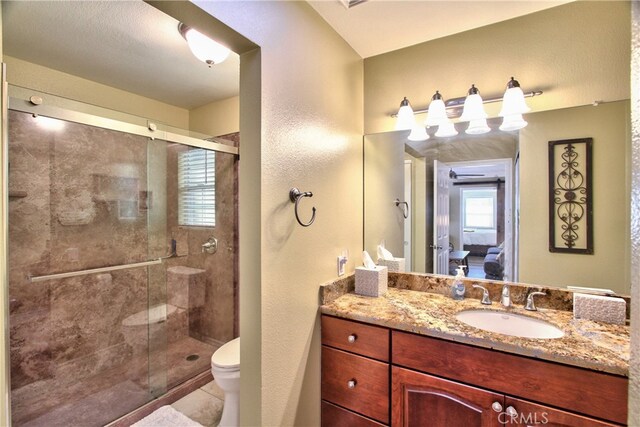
203 405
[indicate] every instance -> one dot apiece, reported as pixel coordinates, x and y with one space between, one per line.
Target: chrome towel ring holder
295 196
405 207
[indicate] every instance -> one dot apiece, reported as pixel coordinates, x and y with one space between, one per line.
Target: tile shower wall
214 322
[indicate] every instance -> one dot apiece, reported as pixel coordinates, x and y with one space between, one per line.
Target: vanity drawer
575 389
335 416
356 383
366 340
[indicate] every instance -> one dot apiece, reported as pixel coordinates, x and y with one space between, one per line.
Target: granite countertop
587 344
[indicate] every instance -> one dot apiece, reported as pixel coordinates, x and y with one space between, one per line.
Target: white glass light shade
513 101
437 113
405 120
478 127
446 129
205 49
418 133
473 108
512 122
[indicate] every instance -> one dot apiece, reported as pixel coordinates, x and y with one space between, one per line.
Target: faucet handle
530 305
485 295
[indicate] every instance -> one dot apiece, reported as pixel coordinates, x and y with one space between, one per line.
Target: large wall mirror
468 194
497 187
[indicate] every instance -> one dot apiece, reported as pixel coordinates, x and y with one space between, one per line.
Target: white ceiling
129 45
380 26
132 46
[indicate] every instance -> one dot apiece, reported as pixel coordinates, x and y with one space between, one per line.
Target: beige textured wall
634 364
217 118
311 100
575 53
608 125
33 76
383 183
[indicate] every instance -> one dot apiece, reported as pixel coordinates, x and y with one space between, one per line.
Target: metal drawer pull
352 338
352 383
511 411
496 406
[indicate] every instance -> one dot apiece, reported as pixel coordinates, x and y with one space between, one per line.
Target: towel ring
295 196
405 208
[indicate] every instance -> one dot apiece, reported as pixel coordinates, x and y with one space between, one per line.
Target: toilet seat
227 357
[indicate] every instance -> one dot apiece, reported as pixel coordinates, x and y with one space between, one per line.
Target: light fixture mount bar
454 103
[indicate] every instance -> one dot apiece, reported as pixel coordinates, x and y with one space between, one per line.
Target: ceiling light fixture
406 120
206 50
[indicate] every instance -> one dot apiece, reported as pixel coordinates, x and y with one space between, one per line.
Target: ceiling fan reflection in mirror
454 175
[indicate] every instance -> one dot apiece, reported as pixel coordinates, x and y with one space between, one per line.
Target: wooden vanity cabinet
404 379
355 374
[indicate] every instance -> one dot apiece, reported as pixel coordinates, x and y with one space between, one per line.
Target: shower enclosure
122 259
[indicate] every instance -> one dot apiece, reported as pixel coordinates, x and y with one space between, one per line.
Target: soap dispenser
458 288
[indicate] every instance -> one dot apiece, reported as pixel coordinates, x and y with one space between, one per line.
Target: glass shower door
122 262
80 343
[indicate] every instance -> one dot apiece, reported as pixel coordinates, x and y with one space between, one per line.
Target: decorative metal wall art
570 196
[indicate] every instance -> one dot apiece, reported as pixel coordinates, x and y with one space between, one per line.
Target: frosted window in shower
197 188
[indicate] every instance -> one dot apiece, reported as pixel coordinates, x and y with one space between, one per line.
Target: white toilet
225 367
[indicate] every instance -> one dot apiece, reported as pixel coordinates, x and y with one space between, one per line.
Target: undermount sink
509 324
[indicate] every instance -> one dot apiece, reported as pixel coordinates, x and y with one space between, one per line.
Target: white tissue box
372 282
395 265
599 308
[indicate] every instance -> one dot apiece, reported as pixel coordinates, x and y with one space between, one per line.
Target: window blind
197 188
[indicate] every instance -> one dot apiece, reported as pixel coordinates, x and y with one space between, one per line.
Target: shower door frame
37 106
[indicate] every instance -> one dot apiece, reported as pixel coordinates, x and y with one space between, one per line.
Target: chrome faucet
485 295
506 296
530 304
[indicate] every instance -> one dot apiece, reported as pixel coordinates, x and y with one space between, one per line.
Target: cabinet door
522 413
423 400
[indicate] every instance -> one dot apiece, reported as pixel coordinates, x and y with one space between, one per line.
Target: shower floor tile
99 399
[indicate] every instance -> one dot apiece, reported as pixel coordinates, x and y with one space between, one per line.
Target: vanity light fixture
473 108
446 129
437 112
477 127
514 106
418 133
513 100
406 120
512 122
473 112
206 50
